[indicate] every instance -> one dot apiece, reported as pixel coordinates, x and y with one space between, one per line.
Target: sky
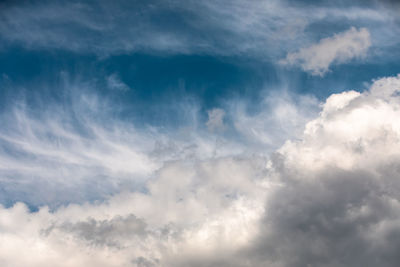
206 133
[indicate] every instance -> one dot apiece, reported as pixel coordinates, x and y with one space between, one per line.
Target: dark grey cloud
105 232
143 262
342 219
345 218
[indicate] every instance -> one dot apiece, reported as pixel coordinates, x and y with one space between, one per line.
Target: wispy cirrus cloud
83 151
265 29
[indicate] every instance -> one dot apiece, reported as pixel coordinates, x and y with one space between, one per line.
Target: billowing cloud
328 198
190 209
340 48
339 200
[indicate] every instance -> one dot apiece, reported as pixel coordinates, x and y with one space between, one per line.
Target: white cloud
354 131
339 186
191 209
340 48
334 188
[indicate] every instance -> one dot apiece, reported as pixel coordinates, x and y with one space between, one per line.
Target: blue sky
199 133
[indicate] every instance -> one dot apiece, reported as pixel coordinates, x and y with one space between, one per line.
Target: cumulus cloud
338 204
340 48
190 210
328 198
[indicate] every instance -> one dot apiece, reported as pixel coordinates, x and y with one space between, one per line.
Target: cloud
282 116
260 29
289 182
60 152
330 197
114 82
84 150
338 204
338 49
215 119
104 232
329 140
190 208
335 200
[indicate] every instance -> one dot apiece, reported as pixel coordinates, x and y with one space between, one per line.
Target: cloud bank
330 197
340 48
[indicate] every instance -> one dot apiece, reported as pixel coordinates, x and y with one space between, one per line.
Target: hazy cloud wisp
337 49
